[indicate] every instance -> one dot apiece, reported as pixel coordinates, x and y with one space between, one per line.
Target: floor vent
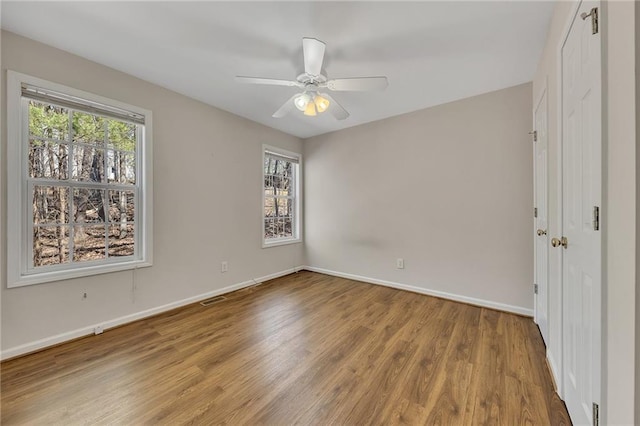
213 300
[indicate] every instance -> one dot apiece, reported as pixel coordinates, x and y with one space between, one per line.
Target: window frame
20 271
297 220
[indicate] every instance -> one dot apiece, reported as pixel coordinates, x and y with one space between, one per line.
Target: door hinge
594 19
535 135
535 212
596 414
596 218
535 289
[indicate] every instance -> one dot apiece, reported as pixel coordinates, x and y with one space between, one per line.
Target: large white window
281 197
79 183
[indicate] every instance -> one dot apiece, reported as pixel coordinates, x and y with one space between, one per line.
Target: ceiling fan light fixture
310 102
321 103
310 110
302 101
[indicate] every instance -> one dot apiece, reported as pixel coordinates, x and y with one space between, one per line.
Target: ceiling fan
310 101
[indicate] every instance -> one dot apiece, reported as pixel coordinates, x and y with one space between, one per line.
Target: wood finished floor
307 349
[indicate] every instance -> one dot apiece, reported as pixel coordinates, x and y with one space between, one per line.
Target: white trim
145 242
92 269
441 294
14 132
543 95
106 325
88 330
280 242
18 272
553 366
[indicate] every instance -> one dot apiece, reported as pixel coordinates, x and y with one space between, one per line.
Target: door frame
538 99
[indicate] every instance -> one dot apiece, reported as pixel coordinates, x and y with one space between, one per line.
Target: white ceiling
431 52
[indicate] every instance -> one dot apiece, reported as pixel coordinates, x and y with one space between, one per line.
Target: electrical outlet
224 266
84 296
98 329
400 263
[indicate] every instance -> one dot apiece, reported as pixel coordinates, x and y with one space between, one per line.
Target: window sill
282 242
46 277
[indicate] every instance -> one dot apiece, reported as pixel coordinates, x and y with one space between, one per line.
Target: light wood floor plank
302 349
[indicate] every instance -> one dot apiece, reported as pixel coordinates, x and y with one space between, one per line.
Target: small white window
281 197
79 183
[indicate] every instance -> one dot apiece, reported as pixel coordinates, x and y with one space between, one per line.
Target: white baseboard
444 295
88 330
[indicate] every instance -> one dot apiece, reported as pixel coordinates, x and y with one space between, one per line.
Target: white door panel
581 192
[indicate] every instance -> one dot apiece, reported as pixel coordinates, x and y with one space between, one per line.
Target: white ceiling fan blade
285 108
360 84
269 81
313 51
335 108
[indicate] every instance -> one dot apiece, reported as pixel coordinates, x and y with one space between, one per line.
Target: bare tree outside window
280 177
83 175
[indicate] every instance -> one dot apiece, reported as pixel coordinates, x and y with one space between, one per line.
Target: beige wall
619 209
207 204
620 203
449 189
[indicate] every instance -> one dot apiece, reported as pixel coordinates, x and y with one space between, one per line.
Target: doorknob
560 242
541 232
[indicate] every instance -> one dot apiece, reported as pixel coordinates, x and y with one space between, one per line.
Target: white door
541 236
581 194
